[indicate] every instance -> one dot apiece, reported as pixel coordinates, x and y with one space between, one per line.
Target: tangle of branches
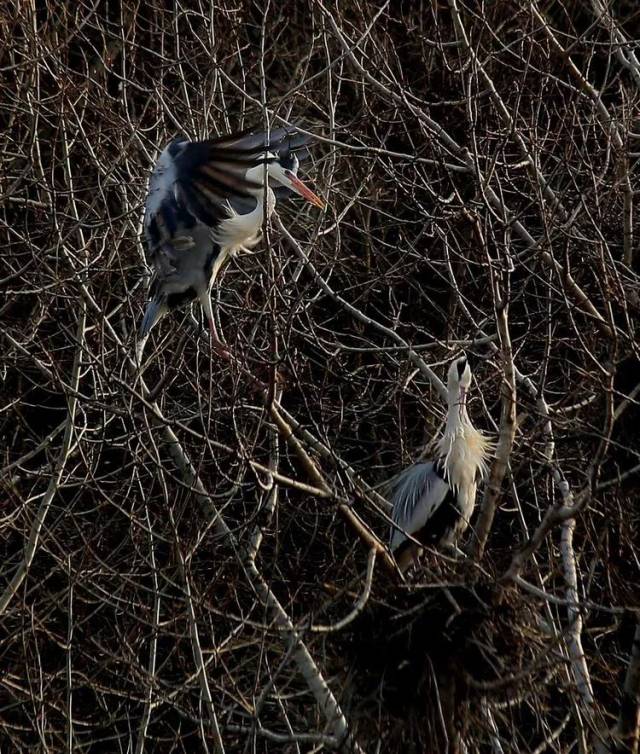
194 559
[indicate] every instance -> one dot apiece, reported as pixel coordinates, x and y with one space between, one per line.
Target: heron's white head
284 176
458 384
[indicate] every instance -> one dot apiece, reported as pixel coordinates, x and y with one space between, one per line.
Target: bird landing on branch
206 201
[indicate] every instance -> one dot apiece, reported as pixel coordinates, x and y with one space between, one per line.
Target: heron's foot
254 376
220 348
453 551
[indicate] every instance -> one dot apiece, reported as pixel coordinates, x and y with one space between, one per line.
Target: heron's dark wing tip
256 141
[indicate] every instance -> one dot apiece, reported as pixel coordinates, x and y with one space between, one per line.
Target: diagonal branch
324 697
507 419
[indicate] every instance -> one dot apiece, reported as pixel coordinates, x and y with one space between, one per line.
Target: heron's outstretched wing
178 229
189 191
209 173
257 141
193 180
416 494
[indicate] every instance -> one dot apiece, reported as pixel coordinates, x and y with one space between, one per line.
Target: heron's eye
461 367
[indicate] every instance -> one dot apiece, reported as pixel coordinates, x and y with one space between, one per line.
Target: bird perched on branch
206 202
433 501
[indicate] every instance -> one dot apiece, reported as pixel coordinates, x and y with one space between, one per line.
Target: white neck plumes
463 450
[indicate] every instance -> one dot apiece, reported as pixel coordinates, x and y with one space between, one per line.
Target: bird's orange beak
299 187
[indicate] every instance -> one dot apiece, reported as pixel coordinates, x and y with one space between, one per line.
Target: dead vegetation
195 562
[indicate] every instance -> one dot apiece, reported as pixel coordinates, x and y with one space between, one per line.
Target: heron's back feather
416 494
433 501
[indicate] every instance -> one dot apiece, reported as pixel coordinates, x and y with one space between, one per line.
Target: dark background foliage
480 164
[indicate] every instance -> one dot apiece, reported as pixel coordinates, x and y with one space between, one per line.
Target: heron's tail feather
140 350
152 314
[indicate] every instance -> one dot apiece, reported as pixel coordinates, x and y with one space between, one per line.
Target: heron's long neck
457 418
271 200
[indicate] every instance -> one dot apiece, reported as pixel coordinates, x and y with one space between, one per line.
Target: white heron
206 201
433 501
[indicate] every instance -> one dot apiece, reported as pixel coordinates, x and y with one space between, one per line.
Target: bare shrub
195 560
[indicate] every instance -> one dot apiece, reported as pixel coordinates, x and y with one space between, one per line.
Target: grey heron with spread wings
433 501
206 202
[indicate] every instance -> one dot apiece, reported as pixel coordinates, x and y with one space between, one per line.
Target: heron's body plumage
241 231
433 501
206 201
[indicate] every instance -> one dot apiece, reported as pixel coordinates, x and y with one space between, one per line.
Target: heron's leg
249 248
408 556
140 351
451 550
252 242
221 347
456 607
216 342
